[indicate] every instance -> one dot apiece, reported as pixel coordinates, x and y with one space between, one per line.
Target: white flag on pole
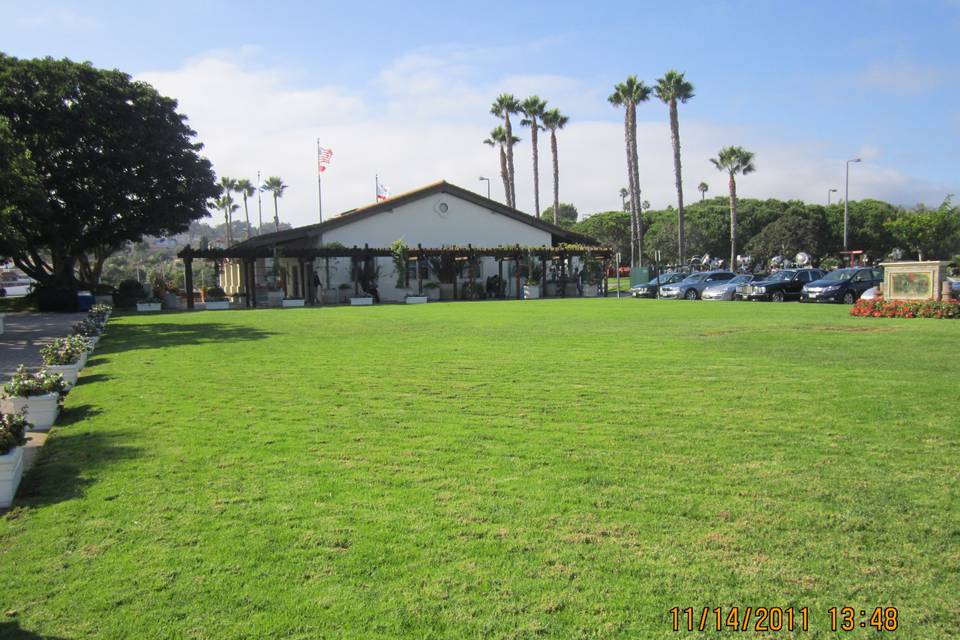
383 191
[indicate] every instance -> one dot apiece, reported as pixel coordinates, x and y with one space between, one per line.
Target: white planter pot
446 291
344 295
93 340
274 298
41 411
361 302
589 290
293 302
148 306
68 371
11 470
416 299
215 305
103 299
330 296
432 294
531 291
82 362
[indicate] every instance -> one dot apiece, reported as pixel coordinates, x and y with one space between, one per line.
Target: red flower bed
880 308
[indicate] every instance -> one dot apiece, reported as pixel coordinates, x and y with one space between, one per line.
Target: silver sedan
726 290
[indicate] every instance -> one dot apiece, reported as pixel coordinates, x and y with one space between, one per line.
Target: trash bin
84 300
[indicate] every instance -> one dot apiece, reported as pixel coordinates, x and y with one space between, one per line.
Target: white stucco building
440 215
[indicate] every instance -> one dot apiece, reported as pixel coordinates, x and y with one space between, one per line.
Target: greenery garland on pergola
306 255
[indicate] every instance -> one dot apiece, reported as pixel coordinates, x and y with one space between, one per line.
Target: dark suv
842 285
786 284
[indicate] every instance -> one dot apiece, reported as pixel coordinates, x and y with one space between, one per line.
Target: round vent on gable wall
442 209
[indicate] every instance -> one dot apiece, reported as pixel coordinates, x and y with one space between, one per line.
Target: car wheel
849 297
777 296
691 294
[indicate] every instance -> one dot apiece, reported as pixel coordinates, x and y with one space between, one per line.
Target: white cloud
901 78
424 117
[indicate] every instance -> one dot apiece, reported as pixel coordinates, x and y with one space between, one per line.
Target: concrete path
24 334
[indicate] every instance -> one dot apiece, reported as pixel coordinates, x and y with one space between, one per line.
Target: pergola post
188 277
501 290
419 270
543 275
253 283
516 271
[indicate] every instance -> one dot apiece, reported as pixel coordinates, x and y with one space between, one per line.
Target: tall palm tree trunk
630 184
512 197
536 168
226 223
675 139
505 174
637 209
733 223
556 174
246 215
276 213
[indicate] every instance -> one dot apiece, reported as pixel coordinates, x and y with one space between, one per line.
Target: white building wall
423 222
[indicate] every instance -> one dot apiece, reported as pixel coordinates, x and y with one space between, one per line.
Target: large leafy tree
115 162
502 107
671 89
611 228
534 109
661 235
734 161
628 94
928 233
787 236
565 215
498 140
553 121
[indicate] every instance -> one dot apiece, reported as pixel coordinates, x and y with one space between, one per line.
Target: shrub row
880 308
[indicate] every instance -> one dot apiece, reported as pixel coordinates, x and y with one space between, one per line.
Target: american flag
323 158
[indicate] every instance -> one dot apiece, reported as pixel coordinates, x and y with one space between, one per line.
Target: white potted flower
62 356
37 394
531 289
89 329
13 428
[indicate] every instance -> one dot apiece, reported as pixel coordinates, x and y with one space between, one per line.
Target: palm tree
703 187
623 198
246 189
534 108
553 121
734 160
275 186
671 88
502 107
225 203
228 185
498 138
628 94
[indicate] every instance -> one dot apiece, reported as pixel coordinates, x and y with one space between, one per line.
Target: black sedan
786 284
652 288
842 285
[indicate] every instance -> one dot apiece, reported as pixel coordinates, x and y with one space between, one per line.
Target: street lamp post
829 191
846 204
488 185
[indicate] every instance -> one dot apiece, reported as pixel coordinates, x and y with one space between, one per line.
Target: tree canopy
566 215
114 161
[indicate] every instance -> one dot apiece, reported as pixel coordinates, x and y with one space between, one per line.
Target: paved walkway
24 334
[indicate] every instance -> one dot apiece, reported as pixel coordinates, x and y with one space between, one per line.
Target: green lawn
557 468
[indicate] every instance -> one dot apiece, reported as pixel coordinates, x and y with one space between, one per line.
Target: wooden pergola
306 257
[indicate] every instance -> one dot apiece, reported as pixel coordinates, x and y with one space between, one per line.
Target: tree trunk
536 167
556 175
246 215
733 222
513 193
226 223
630 184
675 139
276 213
637 207
505 174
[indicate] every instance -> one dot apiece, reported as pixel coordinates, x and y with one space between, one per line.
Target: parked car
842 285
786 284
727 290
690 287
652 288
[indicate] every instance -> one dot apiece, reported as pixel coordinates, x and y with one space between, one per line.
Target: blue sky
403 90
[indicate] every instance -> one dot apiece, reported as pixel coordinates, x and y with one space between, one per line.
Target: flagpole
319 184
259 203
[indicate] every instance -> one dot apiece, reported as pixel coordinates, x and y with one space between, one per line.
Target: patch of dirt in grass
854 329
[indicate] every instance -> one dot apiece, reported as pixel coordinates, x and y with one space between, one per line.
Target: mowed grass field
553 468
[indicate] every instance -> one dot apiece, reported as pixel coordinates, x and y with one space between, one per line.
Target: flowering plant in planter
24 384
86 327
82 344
880 308
13 430
62 351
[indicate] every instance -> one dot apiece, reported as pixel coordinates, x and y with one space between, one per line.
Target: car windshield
740 279
840 275
781 276
696 277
